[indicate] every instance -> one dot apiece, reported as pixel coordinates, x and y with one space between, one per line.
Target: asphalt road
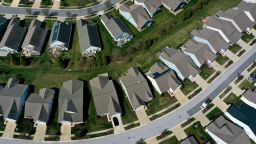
88 11
174 118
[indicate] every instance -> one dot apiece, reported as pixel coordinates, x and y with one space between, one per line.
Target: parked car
205 104
252 77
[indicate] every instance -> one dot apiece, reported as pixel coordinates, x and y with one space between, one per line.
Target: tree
64 59
198 5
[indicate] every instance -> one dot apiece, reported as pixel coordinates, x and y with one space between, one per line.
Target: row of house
218 34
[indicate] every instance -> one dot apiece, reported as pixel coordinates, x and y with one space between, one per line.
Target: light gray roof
151 5
14 35
138 13
165 78
104 95
10 98
250 95
88 35
137 88
71 101
36 36
116 27
213 38
228 132
226 27
189 140
238 17
172 4
250 7
201 51
184 63
37 106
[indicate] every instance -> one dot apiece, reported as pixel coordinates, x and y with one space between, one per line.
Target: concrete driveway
180 96
40 132
142 116
65 132
9 129
201 82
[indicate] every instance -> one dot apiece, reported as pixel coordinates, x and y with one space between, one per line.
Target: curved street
88 11
174 118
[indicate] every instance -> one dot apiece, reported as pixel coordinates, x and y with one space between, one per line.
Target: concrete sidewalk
9 129
40 132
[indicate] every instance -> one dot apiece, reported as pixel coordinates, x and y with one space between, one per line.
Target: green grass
155 116
132 126
7 1
25 126
214 76
216 112
235 48
246 85
171 140
129 115
79 3
222 59
247 37
188 86
232 99
53 128
206 72
2 125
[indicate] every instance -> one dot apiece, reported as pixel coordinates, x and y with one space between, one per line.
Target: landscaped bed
195 93
214 76
155 116
225 92
132 126
188 86
241 52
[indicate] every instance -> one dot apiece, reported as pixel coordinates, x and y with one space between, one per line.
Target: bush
64 59
185 14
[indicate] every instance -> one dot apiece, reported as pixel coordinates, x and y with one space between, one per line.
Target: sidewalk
9 129
40 132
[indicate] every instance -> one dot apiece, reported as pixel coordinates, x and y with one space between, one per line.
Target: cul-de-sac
128 71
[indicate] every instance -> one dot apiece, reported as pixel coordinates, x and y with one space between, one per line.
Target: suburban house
60 37
212 38
13 38
173 5
225 28
89 38
136 15
151 6
238 18
250 1
38 106
12 99
35 39
179 62
3 25
71 102
244 116
105 97
117 29
163 78
225 132
136 88
189 140
249 9
200 53
249 97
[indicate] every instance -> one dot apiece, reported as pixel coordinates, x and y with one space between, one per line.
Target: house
71 102
179 62
212 38
244 116
35 39
189 140
238 18
136 88
163 78
249 97
12 99
249 9
38 106
60 37
173 5
13 38
151 6
250 1
225 132
117 29
200 53
225 28
136 15
105 97
89 38
3 25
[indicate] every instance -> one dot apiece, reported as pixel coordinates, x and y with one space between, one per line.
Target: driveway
9 129
142 116
40 132
65 132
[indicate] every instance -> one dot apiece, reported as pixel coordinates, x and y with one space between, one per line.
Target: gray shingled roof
201 51
3 25
250 95
61 32
228 132
173 4
165 77
226 27
184 63
71 101
116 27
13 36
10 98
213 38
37 106
239 17
138 13
137 88
248 7
36 36
151 5
189 140
88 35
105 96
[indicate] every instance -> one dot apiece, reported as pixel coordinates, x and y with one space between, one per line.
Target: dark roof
189 140
3 25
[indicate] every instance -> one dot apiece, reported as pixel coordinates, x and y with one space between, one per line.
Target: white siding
128 17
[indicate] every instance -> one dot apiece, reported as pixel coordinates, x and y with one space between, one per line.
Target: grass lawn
246 85
247 37
206 72
199 132
188 86
129 115
53 128
216 112
222 59
171 140
232 99
7 1
235 48
80 3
